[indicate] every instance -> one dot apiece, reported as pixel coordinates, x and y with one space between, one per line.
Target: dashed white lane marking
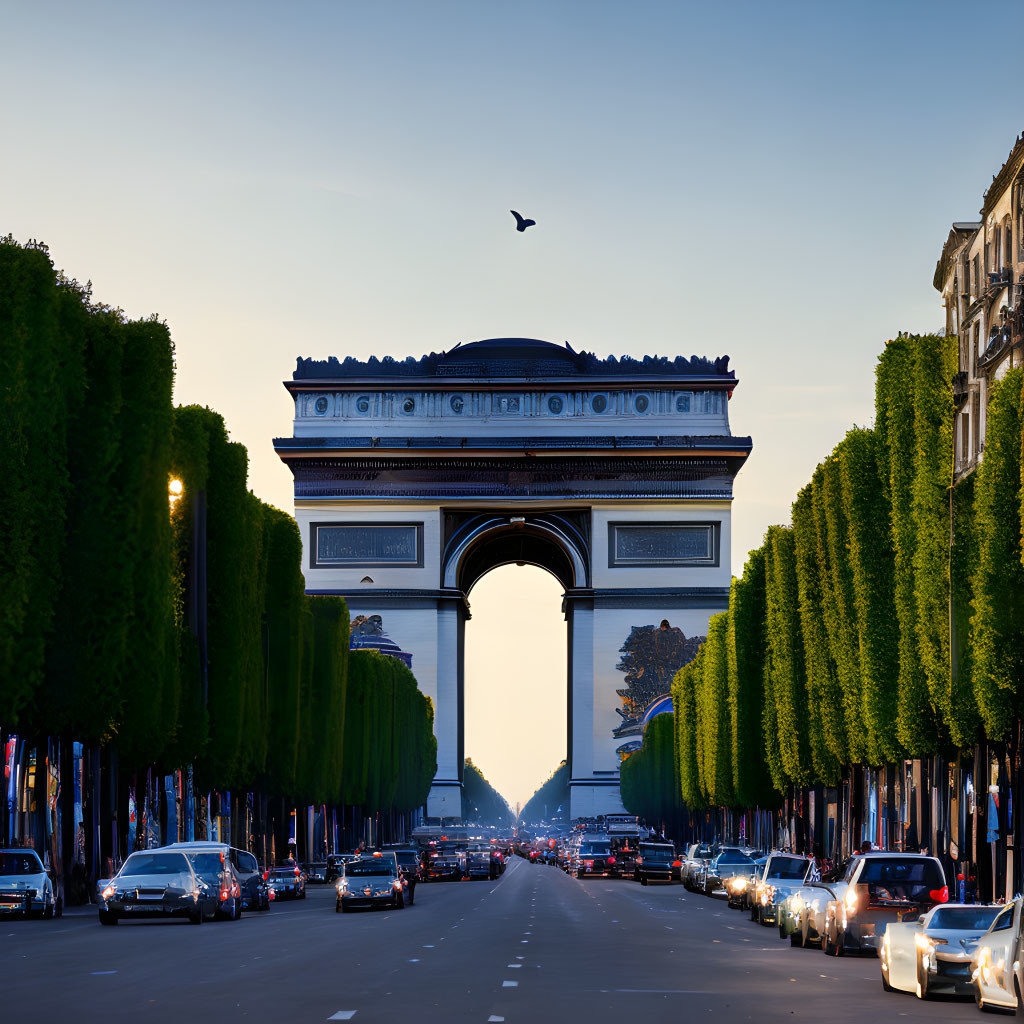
428 947
520 957
523 942
342 1015
103 972
494 1018
513 965
414 961
510 984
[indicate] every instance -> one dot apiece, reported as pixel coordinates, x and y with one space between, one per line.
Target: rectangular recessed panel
653 545
366 545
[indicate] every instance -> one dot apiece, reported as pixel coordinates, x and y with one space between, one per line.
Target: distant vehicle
592 857
316 872
255 891
370 882
25 886
286 882
739 885
932 953
216 871
694 861
444 862
479 863
722 866
654 862
157 883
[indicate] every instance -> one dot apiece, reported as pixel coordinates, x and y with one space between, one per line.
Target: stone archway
414 479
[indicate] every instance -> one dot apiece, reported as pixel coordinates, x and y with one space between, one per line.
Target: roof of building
1005 175
959 233
527 358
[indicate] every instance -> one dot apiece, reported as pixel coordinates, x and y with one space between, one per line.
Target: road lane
536 946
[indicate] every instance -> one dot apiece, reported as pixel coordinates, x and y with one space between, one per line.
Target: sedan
996 969
373 881
156 883
25 887
286 882
933 953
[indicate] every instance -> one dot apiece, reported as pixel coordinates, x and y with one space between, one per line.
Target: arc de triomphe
414 478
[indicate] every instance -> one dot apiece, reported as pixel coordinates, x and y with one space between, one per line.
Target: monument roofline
520 359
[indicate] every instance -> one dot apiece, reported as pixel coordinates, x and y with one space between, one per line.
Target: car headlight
796 904
851 900
740 884
924 944
108 892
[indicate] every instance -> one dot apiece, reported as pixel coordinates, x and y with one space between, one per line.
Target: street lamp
175 490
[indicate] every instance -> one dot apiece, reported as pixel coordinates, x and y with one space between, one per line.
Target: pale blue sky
771 181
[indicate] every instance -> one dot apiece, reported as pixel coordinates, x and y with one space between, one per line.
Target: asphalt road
536 946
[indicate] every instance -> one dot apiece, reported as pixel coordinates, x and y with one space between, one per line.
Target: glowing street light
175 490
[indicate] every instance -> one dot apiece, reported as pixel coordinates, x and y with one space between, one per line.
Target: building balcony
959 388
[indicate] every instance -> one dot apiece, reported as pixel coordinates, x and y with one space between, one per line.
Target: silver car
25 887
157 883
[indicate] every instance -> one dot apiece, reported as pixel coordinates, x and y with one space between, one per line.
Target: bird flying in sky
522 223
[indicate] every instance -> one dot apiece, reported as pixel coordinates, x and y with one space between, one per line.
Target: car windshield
787 867
732 857
889 878
407 857
657 849
369 867
155 864
968 919
206 865
283 873
595 849
19 864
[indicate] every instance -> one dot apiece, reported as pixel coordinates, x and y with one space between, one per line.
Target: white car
810 904
783 873
25 887
995 966
933 953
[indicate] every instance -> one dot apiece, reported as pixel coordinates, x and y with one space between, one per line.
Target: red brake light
677 863
939 895
296 872
223 894
588 863
266 875
611 860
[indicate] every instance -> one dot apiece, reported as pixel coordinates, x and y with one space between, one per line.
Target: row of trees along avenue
839 652
164 635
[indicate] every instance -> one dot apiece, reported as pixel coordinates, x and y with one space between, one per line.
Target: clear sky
769 180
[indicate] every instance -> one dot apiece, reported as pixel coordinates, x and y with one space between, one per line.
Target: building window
976 417
663 545
976 287
599 404
965 437
684 402
974 348
366 545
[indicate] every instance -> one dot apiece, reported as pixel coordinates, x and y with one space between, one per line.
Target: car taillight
398 883
296 872
588 863
677 863
611 860
266 875
939 895
223 894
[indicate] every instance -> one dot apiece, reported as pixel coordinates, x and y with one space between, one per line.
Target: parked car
255 891
286 882
722 866
694 861
932 953
739 886
654 862
443 863
156 883
25 886
216 871
370 882
408 860
879 889
996 975
783 874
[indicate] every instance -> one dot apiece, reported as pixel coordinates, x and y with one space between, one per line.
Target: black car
592 858
408 858
286 882
654 862
316 872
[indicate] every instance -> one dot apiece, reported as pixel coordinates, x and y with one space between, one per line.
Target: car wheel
48 912
196 916
399 902
58 907
796 939
885 983
644 880
108 917
340 907
782 931
826 944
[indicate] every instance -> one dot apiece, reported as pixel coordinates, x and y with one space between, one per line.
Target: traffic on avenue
598 920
